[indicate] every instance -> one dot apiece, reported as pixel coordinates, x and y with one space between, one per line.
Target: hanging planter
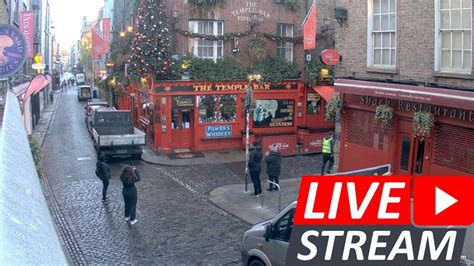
423 122
333 110
384 113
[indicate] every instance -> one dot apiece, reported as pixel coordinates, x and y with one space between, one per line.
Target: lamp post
248 105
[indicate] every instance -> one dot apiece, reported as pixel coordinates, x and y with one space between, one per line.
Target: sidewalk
233 199
210 157
47 116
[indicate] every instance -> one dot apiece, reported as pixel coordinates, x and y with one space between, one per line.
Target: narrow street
177 223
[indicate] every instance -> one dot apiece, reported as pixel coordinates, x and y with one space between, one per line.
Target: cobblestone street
177 223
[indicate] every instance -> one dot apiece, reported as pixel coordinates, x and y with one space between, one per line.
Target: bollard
279 195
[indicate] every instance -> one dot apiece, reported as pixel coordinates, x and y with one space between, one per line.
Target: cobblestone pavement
177 224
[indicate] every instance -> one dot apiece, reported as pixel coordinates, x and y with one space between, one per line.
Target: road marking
84 158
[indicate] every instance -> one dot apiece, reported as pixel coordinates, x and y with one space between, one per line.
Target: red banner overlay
309 33
443 201
353 200
27 27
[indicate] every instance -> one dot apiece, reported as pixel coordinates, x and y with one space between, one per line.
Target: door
277 247
182 128
412 155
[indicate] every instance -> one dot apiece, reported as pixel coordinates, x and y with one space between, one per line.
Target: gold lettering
218 87
437 111
445 112
400 105
267 86
428 109
452 114
408 106
462 115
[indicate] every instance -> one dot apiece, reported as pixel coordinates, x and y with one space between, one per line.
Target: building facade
209 115
417 60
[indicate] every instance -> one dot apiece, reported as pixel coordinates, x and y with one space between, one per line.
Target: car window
282 229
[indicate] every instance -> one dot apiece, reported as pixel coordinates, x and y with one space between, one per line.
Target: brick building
414 58
177 114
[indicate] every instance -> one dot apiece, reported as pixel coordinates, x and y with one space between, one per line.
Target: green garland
207 3
233 35
290 4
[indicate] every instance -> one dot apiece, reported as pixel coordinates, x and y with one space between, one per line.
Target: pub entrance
182 128
413 152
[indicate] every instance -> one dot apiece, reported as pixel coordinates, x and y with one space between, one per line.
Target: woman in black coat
129 177
255 167
273 160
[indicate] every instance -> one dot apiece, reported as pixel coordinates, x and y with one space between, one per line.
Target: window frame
196 43
288 47
371 38
438 44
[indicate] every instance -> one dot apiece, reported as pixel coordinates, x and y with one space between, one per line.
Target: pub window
227 108
454 36
285 49
207 108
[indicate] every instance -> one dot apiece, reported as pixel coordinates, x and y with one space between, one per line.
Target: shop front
447 150
212 116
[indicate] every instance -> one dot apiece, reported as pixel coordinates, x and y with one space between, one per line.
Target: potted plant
384 113
423 122
340 13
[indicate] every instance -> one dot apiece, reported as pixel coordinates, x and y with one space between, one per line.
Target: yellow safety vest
327 145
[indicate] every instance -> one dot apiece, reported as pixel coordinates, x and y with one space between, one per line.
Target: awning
37 84
421 94
20 89
327 92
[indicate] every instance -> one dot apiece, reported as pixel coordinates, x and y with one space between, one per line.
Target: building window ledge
392 71
453 75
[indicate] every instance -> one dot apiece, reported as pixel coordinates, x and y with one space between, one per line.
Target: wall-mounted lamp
130 28
254 20
175 13
122 34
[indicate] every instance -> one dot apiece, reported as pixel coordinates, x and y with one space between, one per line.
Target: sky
67 19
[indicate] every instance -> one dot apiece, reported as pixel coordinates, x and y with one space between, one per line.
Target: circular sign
12 50
330 57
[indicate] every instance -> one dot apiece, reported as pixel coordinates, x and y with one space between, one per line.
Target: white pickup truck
114 134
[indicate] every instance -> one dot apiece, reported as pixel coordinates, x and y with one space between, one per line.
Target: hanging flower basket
423 122
333 109
384 113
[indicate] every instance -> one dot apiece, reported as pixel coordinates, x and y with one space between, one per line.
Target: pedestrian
255 167
129 177
328 152
102 170
273 160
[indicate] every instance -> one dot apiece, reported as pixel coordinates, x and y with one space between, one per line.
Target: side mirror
268 232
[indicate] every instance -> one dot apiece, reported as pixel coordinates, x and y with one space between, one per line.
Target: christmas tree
151 46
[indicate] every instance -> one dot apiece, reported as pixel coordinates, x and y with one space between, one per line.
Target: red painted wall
357 156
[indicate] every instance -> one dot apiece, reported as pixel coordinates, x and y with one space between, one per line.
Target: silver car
266 243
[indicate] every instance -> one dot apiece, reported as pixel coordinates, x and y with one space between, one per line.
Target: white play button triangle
443 200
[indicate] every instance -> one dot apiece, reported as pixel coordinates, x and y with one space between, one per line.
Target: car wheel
256 262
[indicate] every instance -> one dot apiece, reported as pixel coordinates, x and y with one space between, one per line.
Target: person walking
129 177
102 170
273 160
328 152
255 167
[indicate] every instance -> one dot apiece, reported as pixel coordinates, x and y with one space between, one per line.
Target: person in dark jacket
255 159
102 170
129 177
273 160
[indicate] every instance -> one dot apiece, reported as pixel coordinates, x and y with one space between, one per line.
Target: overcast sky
67 18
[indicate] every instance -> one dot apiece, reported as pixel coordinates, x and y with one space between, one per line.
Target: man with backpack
102 171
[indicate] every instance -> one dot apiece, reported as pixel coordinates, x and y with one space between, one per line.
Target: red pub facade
203 115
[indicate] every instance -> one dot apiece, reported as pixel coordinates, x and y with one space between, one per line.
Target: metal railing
279 194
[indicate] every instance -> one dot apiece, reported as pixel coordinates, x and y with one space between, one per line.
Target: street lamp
248 105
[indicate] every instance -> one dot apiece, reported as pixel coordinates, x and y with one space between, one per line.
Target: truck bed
104 138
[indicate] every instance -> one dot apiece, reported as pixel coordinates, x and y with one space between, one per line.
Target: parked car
84 92
114 133
267 243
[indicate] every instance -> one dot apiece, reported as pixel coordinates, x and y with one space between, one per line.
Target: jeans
327 157
105 185
257 185
273 179
130 199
